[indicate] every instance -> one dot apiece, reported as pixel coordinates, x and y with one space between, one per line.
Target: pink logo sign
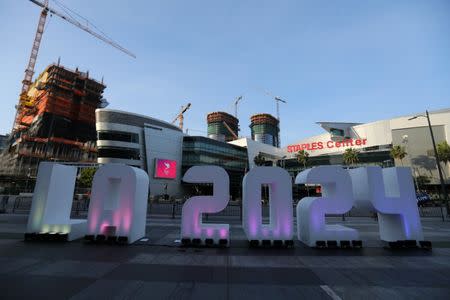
166 168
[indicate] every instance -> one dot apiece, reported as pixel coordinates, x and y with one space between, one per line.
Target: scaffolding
55 121
222 126
265 129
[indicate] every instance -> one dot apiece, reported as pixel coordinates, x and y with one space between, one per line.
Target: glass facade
380 158
375 158
199 150
123 153
118 136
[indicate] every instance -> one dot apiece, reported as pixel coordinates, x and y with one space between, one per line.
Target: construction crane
195 130
29 72
278 100
236 102
180 116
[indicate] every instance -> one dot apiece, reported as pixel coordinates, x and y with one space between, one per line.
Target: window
124 153
119 136
337 132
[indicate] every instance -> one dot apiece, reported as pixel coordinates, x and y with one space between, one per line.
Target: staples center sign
327 145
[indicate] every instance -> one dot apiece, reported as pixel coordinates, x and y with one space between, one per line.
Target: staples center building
165 152
375 140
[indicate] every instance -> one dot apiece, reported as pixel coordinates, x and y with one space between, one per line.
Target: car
423 199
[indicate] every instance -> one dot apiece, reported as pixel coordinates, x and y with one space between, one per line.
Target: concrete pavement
158 268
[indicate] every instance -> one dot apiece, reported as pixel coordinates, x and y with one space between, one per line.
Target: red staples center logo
328 145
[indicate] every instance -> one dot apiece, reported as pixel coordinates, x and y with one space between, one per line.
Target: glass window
124 153
119 136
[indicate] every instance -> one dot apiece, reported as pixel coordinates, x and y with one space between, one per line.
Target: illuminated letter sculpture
337 198
118 204
391 193
280 226
191 216
52 202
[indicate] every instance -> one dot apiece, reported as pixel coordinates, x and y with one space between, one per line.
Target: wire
89 23
47 23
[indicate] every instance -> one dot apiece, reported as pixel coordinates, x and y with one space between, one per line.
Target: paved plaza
158 268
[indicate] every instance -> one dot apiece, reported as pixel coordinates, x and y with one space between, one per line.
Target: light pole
283 161
436 155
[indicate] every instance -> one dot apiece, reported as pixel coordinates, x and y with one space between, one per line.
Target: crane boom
236 102
180 115
83 27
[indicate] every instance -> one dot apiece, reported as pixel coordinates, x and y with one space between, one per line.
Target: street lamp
436 155
283 161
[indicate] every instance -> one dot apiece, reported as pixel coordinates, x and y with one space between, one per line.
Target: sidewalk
160 269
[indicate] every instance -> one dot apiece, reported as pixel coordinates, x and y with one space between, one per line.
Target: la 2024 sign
119 202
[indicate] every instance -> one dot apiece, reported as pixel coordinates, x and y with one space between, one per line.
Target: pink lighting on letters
191 216
337 199
119 199
280 226
165 168
118 203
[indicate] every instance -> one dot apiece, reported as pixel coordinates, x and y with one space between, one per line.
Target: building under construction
55 121
265 129
222 126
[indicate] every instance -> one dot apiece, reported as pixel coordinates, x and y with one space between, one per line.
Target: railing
22 205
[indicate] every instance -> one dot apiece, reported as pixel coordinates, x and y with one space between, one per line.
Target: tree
443 150
259 159
303 157
398 152
350 156
421 180
86 177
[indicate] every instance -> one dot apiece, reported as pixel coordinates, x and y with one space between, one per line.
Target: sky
342 60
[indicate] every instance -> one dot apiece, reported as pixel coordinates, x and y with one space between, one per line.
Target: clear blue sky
354 61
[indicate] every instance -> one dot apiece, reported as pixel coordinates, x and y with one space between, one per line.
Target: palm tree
259 159
443 150
350 156
398 152
303 157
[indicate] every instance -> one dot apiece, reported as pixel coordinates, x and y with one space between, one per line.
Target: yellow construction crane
180 116
29 72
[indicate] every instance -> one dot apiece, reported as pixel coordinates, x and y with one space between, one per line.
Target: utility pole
438 160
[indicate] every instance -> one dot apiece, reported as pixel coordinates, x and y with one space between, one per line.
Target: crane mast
29 72
180 116
278 100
